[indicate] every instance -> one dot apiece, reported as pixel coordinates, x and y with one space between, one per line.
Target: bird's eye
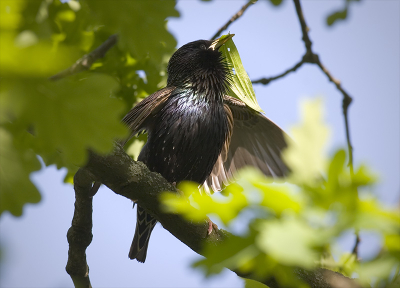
202 46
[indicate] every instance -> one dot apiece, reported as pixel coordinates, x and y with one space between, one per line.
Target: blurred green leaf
336 16
67 116
373 215
198 206
306 156
141 26
279 198
22 56
290 241
379 268
339 15
236 253
392 243
10 14
66 15
276 2
15 167
248 283
241 86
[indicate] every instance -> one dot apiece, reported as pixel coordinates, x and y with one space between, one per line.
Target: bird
196 132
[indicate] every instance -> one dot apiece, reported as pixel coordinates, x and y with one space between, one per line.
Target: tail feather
144 226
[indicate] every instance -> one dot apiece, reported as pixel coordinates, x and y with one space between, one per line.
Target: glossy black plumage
198 133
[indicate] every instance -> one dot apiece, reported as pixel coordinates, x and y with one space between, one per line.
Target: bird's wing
254 141
140 116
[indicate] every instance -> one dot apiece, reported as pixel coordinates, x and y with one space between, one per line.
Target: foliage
339 15
60 120
296 224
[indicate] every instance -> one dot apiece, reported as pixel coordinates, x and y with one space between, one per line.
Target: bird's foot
211 226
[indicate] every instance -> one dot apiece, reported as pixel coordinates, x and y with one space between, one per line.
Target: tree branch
87 60
233 18
265 81
80 234
134 181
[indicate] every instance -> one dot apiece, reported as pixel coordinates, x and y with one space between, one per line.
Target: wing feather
139 117
254 141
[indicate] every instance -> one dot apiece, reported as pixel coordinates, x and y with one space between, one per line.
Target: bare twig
355 249
265 81
304 27
87 60
234 18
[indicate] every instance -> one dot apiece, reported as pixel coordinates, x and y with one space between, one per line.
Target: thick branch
80 234
134 181
233 18
87 60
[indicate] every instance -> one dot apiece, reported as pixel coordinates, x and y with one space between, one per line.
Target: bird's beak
220 41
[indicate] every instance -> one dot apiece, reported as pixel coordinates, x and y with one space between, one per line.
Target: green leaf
373 215
67 116
336 16
236 253
198 206
289 241
15 167
10 16
136 146
241 86
22 56
141 26
306 155
379 268
276 2
279 198
249 283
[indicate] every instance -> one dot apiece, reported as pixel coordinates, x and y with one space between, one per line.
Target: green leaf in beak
241 87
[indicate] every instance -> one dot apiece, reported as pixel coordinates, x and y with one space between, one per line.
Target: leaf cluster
60 120
297 223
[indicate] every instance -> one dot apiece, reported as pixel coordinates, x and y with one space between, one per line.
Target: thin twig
234 18
345 105
87 60
265 81
304 27
355 249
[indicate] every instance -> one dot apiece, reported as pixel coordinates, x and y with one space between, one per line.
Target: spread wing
140 117
255 141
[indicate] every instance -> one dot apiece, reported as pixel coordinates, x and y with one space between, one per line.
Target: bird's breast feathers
188 135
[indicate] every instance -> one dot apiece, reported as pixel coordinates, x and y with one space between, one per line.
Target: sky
362 52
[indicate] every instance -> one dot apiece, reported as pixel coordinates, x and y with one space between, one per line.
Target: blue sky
362 52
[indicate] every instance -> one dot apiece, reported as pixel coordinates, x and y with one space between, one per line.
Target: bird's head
199 65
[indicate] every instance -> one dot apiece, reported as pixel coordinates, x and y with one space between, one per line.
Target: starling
198 133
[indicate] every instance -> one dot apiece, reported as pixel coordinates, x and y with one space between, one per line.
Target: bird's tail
144 225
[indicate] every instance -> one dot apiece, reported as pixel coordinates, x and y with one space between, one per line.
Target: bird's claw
211 226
